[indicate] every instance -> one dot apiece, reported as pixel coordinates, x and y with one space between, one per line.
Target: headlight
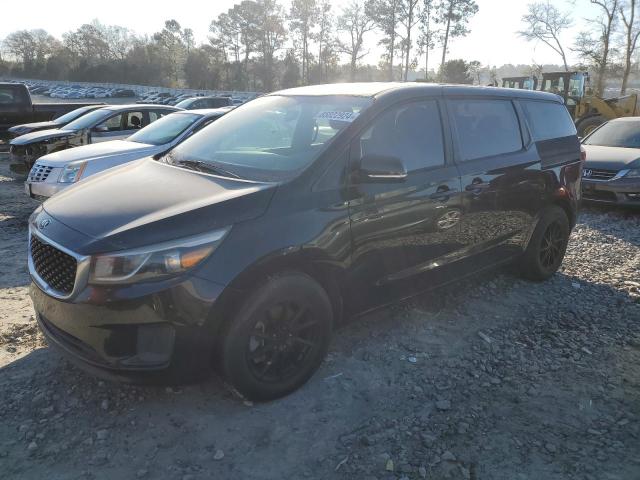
72 172
633 173
156 261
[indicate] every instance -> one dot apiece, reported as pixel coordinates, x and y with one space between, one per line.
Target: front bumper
132 334
22 157
620 191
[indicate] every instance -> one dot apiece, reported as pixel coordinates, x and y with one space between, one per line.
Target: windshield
165 130
72 115
616 134
271 138
89 120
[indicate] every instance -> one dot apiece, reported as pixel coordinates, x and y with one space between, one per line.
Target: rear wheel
547 246
279 337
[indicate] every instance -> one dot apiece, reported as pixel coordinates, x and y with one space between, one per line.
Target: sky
493 39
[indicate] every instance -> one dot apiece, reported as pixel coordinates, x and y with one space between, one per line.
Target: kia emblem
44 223
587 172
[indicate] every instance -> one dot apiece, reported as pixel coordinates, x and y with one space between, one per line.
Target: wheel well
564 204
328 276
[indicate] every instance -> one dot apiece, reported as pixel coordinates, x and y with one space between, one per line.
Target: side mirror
376 168
100 129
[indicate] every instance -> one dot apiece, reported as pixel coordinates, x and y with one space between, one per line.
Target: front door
403 229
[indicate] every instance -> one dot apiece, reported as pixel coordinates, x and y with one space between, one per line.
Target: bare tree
631 33
597 50
322 36
409 16
30 47
385 14
303 17
272 36
426 41
545 23
454 15
354 22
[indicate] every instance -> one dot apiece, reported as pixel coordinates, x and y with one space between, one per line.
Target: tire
278 338
589 124
547 246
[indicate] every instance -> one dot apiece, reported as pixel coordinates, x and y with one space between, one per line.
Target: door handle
477 186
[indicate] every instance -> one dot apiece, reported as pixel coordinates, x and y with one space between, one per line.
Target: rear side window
410 132
7 95
548 120
485 127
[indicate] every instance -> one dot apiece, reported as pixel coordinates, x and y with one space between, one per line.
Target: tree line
263 45
255 45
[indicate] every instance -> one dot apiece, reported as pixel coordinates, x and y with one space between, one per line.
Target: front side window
548 120
555 85
272 138
411 132
113 124
164 130
485 127
133 120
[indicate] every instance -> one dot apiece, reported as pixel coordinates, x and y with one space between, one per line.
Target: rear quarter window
9 95
547 120
485 127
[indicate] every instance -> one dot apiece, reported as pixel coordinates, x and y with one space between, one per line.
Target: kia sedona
611 173
244 247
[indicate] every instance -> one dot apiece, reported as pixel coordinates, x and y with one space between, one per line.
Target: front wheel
547 245
589 124
278 338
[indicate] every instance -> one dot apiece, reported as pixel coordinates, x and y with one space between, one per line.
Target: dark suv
245 245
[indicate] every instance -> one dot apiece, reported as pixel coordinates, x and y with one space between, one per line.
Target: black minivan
243 247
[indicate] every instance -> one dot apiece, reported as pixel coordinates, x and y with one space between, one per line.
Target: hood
146 202
41 136
610 158
32 127
97 150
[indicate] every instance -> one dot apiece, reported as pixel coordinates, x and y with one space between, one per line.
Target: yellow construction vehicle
588 110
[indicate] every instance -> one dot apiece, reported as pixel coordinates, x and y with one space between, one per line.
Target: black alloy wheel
282 341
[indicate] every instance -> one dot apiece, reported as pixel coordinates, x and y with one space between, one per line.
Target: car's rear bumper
622 191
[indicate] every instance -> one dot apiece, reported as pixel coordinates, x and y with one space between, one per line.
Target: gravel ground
493 378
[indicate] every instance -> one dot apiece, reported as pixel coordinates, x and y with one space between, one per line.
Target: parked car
107 123
611 172
57 171
204 102
58 122
17 108
250 240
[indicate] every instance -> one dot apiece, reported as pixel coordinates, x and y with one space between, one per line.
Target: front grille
599 174
39 173
53 266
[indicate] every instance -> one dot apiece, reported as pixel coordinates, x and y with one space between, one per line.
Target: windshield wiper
205 167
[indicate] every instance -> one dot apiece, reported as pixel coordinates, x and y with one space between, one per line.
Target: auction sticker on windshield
340 116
